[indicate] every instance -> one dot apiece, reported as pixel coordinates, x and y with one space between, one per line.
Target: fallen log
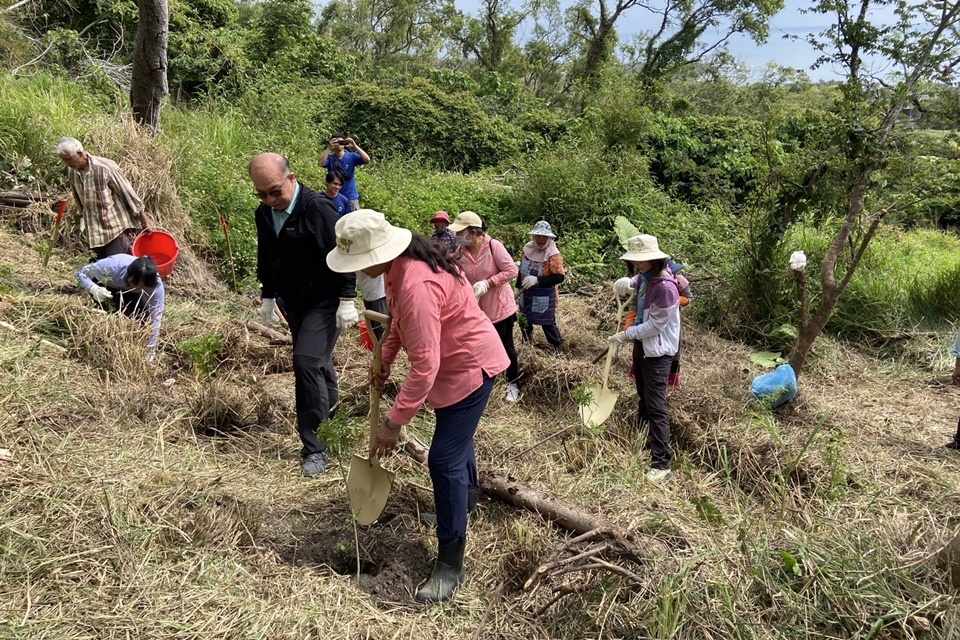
275 336
594 551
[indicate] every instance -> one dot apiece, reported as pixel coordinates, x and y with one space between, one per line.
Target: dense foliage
732 175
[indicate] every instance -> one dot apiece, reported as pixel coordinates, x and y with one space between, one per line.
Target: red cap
440 215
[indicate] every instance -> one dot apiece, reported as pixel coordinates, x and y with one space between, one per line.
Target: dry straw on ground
165 503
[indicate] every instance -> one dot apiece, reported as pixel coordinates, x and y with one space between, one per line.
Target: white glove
623 287
347 315
268 312
480 289
529 281
152 358
516 292
618 338
100 294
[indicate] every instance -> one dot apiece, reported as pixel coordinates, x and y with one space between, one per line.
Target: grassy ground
167 504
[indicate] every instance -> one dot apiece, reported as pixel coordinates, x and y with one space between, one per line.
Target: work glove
152 358
480 289
618 338
623 287
528 282
516 292
100 294
347 315
268 312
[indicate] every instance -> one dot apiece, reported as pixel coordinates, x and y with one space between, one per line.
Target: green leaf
769 359
625 230
785 331
790 563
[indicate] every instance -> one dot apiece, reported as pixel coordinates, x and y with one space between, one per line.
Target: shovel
602 399
368 484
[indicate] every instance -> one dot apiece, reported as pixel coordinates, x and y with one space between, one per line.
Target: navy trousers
453 462
314 333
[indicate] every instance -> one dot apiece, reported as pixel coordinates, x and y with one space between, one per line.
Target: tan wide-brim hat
464 220
365 239
643 247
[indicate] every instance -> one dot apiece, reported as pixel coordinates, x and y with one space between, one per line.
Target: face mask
462 241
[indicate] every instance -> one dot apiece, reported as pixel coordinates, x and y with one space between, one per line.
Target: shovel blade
595 412
368 487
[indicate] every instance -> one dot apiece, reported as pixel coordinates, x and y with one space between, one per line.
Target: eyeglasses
273 193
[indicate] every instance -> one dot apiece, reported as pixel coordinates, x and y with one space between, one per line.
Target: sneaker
953 444
659 475
315 464
513 393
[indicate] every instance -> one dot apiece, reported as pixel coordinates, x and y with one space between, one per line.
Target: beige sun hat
365 239
464 220
643 247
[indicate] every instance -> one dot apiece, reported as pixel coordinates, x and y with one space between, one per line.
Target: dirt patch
395 554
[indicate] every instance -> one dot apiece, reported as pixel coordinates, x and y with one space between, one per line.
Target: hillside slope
166 503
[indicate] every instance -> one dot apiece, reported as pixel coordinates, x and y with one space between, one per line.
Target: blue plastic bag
777 387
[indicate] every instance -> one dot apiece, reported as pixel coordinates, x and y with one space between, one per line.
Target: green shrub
203 351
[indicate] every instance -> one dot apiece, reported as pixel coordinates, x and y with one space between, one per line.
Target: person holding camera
342 157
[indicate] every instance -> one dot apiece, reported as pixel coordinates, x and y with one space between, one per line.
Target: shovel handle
377 365
621 305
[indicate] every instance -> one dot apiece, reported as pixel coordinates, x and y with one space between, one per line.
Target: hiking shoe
315 464
659 475
953 444
513 393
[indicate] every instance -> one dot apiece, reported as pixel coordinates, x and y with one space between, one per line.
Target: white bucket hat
542 228
643 247
464 220
365 239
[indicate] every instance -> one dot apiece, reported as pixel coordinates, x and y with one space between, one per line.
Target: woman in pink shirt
490 269
454 355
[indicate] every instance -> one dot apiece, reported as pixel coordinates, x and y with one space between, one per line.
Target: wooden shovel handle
377 365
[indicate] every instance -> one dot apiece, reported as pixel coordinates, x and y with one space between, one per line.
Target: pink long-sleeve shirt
450 342
493 263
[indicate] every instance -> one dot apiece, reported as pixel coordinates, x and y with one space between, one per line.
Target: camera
343 143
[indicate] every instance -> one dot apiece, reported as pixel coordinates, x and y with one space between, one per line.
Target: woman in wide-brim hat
541 271
454 355
656 339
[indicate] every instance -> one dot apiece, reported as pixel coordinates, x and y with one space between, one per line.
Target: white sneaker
513 393
659 475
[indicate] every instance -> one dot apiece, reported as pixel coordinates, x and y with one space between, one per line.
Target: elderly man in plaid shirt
108 204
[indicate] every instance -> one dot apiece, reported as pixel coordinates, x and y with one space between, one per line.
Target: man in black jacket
295 231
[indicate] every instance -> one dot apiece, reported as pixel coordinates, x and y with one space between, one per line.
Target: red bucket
365 340
159 245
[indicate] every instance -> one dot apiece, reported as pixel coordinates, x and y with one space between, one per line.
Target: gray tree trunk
149 83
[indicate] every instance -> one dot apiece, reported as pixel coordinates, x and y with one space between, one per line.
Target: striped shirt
107 201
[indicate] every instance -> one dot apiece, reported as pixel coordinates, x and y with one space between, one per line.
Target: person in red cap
443 237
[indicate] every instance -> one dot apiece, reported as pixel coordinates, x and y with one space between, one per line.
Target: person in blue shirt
132 285
342 157
332 193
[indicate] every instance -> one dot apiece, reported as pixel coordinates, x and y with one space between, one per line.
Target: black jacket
293 264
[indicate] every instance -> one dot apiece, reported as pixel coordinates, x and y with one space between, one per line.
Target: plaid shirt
107 201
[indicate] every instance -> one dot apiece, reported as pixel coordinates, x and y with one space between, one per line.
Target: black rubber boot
428 519
447 573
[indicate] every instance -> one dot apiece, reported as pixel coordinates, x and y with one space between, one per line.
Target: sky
788 22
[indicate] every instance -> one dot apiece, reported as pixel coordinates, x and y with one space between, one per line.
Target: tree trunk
149 83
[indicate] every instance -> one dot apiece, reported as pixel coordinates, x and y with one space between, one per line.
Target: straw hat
440 216
542 228
466 219
643 247
365 239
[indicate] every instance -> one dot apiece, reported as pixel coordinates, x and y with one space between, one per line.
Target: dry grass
166 503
